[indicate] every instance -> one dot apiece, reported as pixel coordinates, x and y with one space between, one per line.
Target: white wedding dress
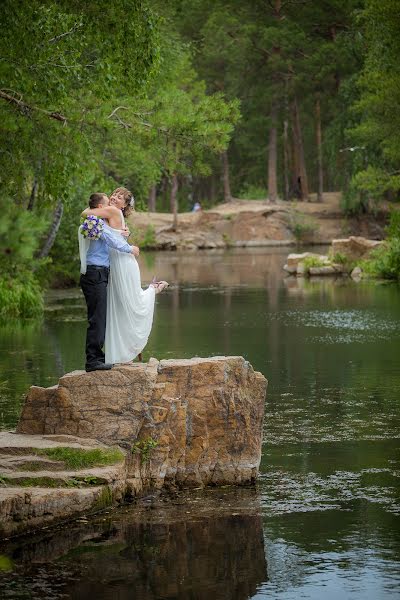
129 308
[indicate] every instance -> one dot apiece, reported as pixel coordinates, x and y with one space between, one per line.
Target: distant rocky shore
255 223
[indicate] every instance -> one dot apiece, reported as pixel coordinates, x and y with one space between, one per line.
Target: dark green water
325 519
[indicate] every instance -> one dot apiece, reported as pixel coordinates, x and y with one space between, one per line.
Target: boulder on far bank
340 260
354 247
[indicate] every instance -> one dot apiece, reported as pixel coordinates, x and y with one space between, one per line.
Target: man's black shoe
99 367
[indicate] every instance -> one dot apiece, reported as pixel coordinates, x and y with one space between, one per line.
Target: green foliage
312 261
303 227
339 258
227 240
271 52
76 458
6 564
144 448
378 107
92 100
384 262
145 238
105 498
20 296
253 192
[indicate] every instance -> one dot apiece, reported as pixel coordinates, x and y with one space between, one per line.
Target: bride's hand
135 251
125 232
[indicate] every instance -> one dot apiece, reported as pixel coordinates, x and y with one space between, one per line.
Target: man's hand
135 251
125 232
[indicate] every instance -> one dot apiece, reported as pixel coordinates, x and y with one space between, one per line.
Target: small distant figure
196 207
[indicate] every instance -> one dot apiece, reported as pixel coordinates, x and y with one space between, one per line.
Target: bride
129 308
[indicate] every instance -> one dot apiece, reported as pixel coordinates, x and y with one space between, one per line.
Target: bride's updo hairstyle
128 198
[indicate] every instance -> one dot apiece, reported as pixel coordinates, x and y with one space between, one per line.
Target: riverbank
256 223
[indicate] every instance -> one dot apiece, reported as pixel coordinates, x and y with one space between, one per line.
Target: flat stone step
29 462
16 443
51 479
34 507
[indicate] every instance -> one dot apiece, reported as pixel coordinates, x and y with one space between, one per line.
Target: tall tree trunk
273 154
32 197
286 159
151 201
164 187
286 148
212 189
51 236
302 173
174 201
319 148
225 177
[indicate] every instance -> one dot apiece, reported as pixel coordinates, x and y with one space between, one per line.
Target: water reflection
328 494
166 554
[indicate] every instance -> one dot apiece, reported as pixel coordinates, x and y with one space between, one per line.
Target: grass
313 261
339 258
105 498
76 458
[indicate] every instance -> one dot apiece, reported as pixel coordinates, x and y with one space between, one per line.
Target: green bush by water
20 296
384 262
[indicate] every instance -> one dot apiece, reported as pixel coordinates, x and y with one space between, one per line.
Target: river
324 520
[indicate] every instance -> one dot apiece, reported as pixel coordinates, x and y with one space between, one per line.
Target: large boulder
183 422
354 247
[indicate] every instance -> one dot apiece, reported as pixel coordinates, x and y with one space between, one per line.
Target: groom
94 286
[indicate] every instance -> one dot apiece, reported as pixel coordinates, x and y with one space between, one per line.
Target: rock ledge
190 422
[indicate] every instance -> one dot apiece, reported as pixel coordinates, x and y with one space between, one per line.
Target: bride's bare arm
107 212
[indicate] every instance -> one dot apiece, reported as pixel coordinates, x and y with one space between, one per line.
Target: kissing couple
120 312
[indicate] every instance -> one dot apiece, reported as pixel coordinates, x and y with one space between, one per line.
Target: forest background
184 101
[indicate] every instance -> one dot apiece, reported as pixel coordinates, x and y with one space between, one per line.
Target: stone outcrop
200 419
294 261
185 423
340 260
354 247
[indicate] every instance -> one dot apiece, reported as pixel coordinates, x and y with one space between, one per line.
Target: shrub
253 192
20 296
385 261
301 226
